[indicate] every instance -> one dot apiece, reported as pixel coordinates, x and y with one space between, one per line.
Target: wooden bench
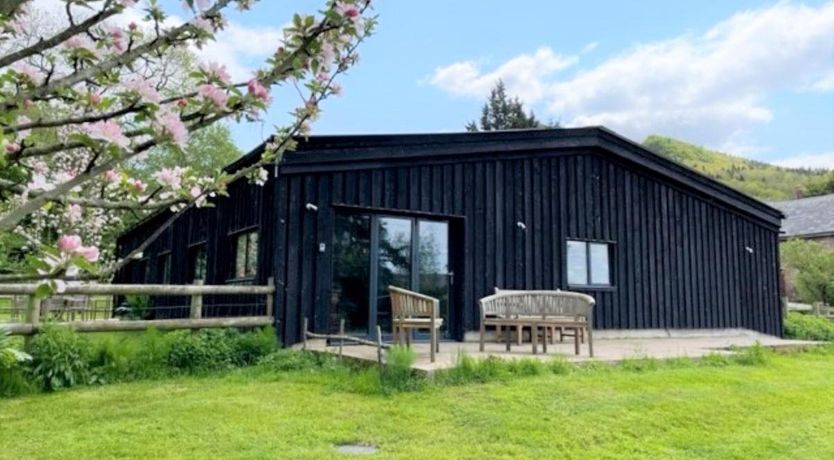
534 309
412 310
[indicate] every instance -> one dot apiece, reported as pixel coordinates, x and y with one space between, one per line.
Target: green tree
208 150
503 112
811 265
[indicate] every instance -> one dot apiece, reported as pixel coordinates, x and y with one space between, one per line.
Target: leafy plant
9 355
137 306
60 358
151 357
808 327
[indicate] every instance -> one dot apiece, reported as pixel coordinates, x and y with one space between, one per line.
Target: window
198 262
246 255
163 265
589 263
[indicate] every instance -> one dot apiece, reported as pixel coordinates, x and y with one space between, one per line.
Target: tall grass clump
757 355
397 375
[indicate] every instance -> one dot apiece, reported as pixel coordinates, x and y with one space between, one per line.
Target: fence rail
32 311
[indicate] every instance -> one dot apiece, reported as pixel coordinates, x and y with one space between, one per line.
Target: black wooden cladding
681 258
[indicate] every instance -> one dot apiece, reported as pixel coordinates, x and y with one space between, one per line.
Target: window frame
589 285
236 237
193 251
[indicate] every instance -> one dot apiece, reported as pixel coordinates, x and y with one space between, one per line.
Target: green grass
782 409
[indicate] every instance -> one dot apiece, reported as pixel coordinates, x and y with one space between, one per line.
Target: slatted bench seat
535 309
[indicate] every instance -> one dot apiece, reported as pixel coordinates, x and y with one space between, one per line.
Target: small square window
246 255
198 263
588 263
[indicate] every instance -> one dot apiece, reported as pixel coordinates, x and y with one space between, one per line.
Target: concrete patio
609 346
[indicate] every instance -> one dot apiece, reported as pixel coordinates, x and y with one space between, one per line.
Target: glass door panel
394 263
349 298
433 259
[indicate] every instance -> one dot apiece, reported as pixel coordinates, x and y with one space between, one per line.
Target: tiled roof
807 216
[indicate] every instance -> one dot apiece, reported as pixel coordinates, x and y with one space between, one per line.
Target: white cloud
711 87
524 75
808 160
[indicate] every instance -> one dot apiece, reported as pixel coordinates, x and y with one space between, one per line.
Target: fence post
33 317
270 298
305 333
342 335
197 303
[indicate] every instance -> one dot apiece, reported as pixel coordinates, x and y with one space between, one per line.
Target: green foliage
641 364
60 358
761 180
812 267
250 348
10 356
12 377
151 357
138 307
286 360
200 352
502 112
808 327
111 360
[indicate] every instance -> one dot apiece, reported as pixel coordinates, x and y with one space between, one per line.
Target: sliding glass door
372 252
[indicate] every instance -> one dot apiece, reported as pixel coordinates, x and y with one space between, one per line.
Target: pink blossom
138 185
203 24
23 120
31 72
107 130
95 98
258 90
195 192
69 243
336 88
128 3
40 167
327 54
348 10
132 26
203 4
172 126
111 176
216 95
118 38
12 148
144 89
169 177
81 42
217 71
74 213
90 253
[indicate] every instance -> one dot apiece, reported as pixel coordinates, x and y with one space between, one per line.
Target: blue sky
751 78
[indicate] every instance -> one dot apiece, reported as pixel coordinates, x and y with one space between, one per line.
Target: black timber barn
659 245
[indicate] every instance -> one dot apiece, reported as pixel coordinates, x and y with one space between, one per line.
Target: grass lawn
783 409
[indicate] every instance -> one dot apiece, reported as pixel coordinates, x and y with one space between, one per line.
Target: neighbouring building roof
808 217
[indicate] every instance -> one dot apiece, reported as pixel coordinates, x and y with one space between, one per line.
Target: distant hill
761 180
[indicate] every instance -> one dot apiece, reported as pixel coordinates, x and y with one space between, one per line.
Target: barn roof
345 152
808 217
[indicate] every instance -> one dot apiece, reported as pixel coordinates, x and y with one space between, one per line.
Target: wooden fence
32 315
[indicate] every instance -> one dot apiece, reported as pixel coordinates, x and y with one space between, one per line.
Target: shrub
203 351
60 358
808 327
252 346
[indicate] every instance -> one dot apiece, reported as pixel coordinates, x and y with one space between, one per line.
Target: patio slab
614 348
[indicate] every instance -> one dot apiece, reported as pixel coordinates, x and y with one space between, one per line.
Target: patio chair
411 310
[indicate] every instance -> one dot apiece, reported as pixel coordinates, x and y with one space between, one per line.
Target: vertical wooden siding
680 260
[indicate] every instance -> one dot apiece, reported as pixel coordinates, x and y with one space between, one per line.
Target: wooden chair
411 310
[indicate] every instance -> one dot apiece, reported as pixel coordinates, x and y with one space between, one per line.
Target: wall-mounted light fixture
521 225
312 207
